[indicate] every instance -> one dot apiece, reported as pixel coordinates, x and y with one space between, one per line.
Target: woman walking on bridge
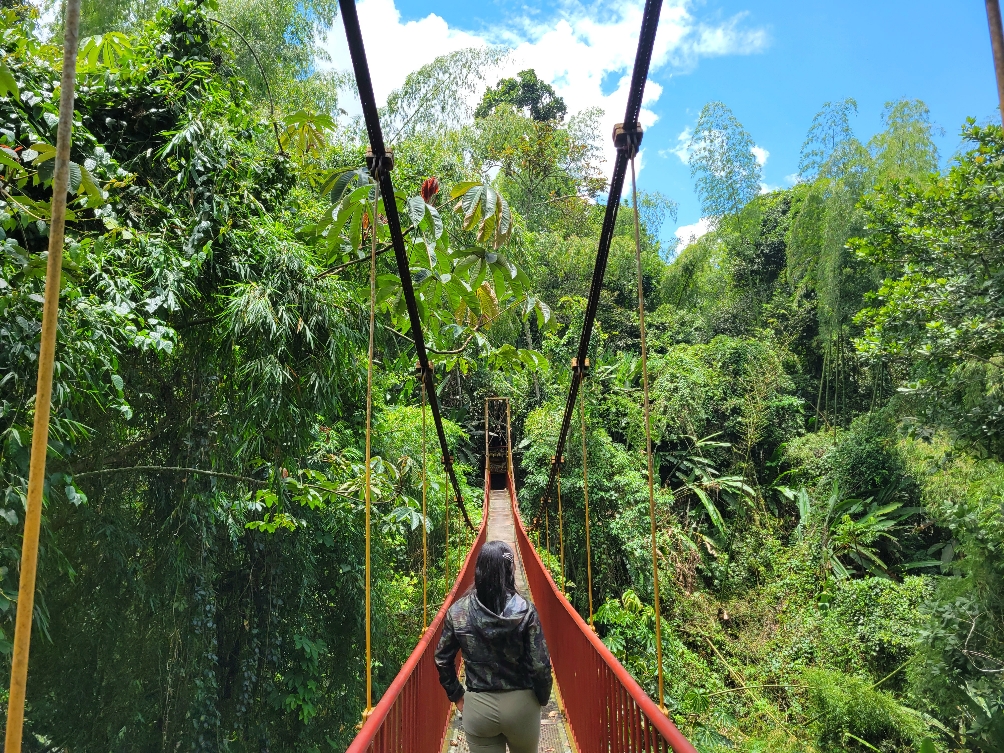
507 665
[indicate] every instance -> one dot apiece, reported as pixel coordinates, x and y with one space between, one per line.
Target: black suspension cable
627 136
380 166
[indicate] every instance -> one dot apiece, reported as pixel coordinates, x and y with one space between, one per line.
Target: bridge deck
553 735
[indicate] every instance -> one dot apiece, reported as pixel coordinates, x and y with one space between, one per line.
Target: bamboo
43 386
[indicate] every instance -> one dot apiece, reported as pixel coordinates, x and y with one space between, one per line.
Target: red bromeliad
430 187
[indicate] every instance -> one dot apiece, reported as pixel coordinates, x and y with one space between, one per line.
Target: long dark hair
495 575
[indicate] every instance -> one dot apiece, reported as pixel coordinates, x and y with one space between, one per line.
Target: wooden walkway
553 733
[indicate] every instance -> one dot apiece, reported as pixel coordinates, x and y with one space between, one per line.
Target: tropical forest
824 373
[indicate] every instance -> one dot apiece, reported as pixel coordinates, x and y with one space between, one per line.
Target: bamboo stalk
43 387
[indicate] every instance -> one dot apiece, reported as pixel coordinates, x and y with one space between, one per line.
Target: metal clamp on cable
628 138
447 462
381 164
424 372
557 462
580 371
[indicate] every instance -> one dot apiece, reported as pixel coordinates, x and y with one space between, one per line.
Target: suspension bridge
603 709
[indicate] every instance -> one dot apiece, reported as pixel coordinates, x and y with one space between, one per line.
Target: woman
507 665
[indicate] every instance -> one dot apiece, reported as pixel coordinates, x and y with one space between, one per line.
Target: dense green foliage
824 372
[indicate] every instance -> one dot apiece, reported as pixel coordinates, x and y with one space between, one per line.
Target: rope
425 526
547 532
369 435
561 535
648 430
43 387
446 525
585 494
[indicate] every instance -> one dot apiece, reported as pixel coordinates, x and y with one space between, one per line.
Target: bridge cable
425 526
585 494
446 527
367 488
561 526
380 162
635 140
643 58
43 387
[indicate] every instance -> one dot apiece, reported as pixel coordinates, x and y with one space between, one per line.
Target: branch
340 267
172 469
271 102
200 472
751 687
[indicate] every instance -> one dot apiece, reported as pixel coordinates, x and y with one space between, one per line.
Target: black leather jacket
501 652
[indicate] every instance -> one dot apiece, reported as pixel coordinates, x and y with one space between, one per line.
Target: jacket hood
492 625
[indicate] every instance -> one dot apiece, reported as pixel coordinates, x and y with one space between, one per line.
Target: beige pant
491 720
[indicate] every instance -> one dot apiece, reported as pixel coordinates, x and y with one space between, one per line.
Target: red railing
607 710
413 715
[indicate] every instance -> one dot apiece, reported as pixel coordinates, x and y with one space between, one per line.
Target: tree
526 94
939 313
905 149
435 97
830 148
722 163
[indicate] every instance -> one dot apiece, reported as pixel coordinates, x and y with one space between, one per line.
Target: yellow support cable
585 495
367 491
648 436
561 533
43 387
425 533
446 527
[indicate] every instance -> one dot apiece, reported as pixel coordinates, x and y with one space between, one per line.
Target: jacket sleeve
446 660
540 659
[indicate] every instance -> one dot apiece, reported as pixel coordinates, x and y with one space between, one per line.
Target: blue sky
774 62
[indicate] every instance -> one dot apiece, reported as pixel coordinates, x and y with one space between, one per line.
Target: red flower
430 187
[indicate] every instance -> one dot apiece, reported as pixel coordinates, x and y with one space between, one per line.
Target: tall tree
527 94
725 170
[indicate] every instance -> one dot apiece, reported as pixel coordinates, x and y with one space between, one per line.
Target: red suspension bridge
605 710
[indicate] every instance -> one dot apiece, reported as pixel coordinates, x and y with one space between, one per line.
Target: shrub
853 715
866 458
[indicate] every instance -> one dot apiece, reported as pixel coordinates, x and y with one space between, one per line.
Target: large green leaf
8 86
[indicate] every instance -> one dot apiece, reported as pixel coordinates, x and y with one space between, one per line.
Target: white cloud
682 148
574 49
403 47
760 154
690 233
793 179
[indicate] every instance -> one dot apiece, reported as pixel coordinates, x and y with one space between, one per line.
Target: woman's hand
460 704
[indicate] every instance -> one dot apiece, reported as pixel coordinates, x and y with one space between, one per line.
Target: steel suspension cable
381 163
648 425
643 58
